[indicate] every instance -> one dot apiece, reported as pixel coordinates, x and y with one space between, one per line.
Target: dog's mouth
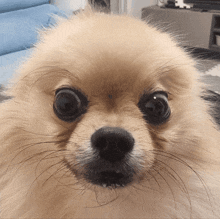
109 176
110 179
104 174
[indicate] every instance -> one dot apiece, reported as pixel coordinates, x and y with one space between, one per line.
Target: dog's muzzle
110 165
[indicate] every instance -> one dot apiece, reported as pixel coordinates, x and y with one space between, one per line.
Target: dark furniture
196 29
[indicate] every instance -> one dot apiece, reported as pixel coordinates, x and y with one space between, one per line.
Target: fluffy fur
113 60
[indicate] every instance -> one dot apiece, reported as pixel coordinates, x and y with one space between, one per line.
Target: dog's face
111 91
106 103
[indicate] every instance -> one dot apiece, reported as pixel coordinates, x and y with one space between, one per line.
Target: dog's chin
116 175
103 173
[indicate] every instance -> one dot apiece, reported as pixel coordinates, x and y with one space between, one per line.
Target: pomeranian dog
106 120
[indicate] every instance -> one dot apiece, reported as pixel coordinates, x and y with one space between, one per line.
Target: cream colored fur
100 54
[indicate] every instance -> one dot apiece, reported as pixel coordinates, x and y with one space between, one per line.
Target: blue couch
20 21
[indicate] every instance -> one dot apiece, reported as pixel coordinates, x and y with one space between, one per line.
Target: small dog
107 121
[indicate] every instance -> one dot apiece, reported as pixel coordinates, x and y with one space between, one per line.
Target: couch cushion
18 29
10 62
11 5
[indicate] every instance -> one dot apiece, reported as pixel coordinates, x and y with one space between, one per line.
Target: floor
209 67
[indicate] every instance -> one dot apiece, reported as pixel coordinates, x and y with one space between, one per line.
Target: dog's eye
155 107
69 104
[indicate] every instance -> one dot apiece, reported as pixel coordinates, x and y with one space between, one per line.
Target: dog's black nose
112 143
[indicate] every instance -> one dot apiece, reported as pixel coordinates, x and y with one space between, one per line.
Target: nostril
112 143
